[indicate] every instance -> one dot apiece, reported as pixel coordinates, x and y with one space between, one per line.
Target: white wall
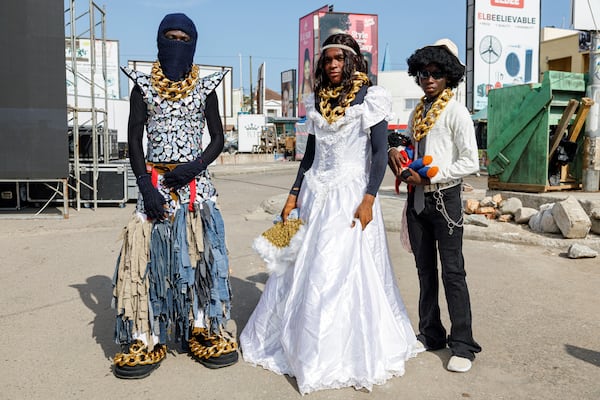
403 87
273 108
117 113
549 33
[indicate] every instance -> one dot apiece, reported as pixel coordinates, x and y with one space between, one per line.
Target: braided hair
352 63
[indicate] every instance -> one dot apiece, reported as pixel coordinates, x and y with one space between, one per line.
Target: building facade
564 50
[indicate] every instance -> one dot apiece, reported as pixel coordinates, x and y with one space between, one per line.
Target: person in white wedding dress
334 317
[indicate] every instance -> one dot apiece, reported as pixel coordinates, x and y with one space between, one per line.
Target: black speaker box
112 183
9 196
33 105
86 152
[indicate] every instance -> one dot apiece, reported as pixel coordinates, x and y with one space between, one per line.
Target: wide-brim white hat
450 46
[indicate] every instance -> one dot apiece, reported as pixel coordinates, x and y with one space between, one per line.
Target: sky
230 33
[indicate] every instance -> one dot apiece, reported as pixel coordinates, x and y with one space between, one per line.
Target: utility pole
591 144
251 91
241 85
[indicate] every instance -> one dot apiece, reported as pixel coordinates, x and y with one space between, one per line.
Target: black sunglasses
434 74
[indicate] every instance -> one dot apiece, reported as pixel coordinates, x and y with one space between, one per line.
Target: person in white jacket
442 128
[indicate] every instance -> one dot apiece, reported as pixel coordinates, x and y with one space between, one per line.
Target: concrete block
543 221
580 251
548 224
471 206
505 218
477 220
523 214
571 218
497 198
595 218
595 228
487 201
511 205
486 210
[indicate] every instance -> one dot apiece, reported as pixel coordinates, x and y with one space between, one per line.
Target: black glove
153 201
183 174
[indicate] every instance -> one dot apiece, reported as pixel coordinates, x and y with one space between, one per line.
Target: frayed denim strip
123 333
217 263
183 277
160 289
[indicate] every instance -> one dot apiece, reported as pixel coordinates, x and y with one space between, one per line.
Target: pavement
475 188
535 312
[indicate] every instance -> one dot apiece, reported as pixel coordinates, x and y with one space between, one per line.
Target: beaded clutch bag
281 233
278 246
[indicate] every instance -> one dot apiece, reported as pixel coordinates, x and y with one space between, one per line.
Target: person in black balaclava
176 56
172 275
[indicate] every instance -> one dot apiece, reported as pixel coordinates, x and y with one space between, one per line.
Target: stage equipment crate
111 184
10 197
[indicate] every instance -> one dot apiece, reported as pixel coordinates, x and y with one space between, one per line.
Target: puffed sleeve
377 107
311 112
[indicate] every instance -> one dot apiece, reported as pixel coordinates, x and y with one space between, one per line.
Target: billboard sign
318 26
585 15
306 54
261 90
83 59
288 93
362 27
506 37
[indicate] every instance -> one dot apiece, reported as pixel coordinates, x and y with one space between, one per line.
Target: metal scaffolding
87 103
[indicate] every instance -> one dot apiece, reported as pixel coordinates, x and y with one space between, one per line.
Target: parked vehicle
231 145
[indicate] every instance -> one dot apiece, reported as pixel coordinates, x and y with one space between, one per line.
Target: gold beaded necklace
326 94
173 90
422 125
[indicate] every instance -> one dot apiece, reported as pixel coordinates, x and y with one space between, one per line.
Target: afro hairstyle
442 58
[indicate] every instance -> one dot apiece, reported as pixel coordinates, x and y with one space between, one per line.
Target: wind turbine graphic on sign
490 49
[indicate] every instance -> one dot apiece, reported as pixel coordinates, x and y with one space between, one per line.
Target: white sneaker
459 364
419 347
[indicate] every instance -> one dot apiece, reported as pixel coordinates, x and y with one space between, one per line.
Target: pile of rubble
566 217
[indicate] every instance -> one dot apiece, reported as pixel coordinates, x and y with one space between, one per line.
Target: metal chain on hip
441 207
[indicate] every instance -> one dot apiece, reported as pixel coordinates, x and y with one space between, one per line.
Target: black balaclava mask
175 56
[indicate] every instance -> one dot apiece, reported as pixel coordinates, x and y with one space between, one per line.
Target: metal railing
90 26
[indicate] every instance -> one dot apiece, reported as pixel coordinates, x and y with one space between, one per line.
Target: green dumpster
521 136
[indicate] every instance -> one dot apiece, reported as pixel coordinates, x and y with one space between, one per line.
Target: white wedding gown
335 317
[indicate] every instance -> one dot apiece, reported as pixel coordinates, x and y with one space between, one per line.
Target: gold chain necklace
172 90
422 125
326 94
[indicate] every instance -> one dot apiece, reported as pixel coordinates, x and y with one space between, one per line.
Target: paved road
535 313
